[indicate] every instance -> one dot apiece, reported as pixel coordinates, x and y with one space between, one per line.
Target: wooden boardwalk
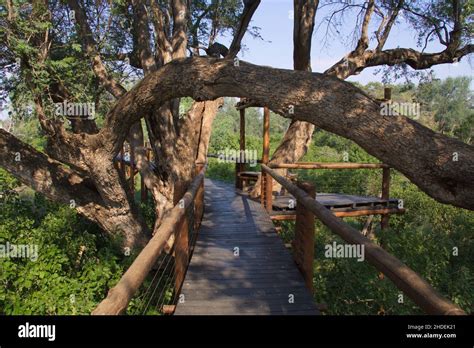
262 279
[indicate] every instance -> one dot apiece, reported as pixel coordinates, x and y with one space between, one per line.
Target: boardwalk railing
174 224
267 184
415 287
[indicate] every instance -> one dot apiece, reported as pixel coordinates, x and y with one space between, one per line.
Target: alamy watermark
238 156
75 110
395 108
20 251
341 251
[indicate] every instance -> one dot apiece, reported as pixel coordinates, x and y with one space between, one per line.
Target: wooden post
268 193
303 243
239 167
266 180
385 195
181 242
181 252
387 93
199 200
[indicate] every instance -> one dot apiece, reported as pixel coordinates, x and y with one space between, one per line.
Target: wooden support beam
303 242
350 213
414 286
385 195
324 165
181 252
240 167
387 93
265 156
268 186
199 200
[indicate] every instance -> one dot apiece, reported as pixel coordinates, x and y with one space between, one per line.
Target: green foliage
75 266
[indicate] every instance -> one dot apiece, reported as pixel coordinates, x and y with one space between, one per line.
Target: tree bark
67 186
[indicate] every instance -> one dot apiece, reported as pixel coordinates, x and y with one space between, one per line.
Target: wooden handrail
414 286
327 165
120 295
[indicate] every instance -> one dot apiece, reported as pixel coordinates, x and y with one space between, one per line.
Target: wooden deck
261 280
336 201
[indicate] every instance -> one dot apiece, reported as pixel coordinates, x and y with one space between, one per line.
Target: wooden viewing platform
262 279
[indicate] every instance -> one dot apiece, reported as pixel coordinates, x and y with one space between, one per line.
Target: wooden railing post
385 195
387 93
181 242
199 200
266 180
303 242
240 167
181 252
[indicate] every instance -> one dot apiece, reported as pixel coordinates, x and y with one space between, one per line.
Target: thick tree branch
305 14
363 42
179 40
141 37
89 46
45 175
424 156
164 49
249 10
391 21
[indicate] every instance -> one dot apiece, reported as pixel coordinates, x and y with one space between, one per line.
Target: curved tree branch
423 155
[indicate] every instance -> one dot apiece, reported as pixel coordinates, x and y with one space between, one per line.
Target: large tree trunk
99 197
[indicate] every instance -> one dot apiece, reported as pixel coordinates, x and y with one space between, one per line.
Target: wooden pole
303 242
328 165
385 195
387 93
268 193
181 252
199 200
402 276
239 167
264 199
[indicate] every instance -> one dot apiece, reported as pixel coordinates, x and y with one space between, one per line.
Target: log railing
408 281
267 185
175 224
